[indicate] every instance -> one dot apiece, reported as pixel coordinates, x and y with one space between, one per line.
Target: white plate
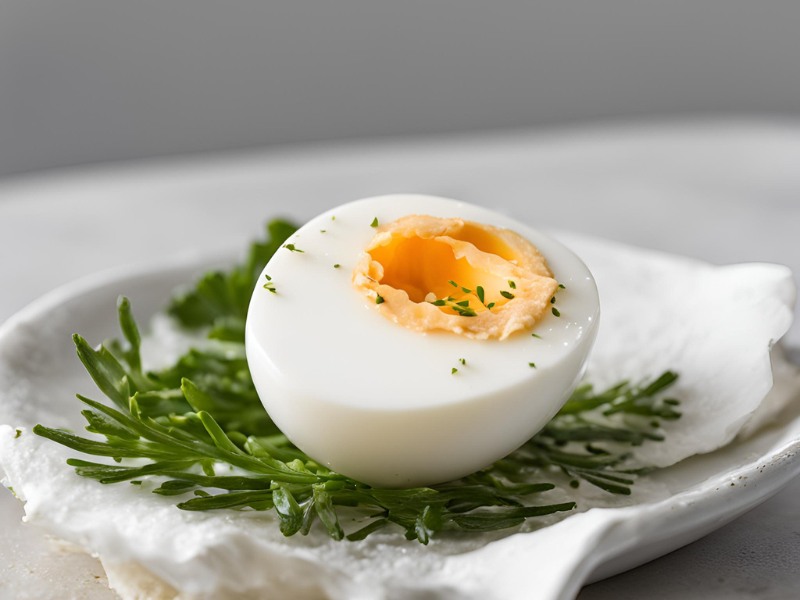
705 491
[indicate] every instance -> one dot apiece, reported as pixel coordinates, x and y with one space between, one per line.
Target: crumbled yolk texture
436 274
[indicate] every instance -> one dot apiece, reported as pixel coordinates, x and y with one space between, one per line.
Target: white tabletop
724 192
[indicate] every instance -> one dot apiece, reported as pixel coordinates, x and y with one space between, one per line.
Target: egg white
380 403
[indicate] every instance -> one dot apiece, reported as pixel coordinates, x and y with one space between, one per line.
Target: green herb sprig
200 434
220 298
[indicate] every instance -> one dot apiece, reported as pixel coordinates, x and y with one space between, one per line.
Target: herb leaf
221 298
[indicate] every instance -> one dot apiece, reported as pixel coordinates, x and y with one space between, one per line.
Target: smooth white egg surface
394 404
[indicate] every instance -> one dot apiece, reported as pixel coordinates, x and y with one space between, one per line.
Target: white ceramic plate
704 492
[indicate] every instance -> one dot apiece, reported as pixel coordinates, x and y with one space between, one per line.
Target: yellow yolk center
428 273
427 269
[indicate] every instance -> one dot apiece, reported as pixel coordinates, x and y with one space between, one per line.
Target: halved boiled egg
408 340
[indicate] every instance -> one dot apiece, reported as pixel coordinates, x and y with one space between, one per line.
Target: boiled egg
408 340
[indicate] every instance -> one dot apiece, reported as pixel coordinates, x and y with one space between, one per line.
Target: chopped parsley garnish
292 248
269 286
374 222
336 266
556 312
461 307
379 299
507 294
180 426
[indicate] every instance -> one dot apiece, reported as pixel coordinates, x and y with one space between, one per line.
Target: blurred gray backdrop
89 81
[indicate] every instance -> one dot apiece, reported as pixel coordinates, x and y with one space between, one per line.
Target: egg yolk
428 273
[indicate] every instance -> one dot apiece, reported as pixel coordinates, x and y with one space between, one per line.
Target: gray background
88 81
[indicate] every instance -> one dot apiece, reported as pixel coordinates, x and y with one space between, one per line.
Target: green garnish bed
198 428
